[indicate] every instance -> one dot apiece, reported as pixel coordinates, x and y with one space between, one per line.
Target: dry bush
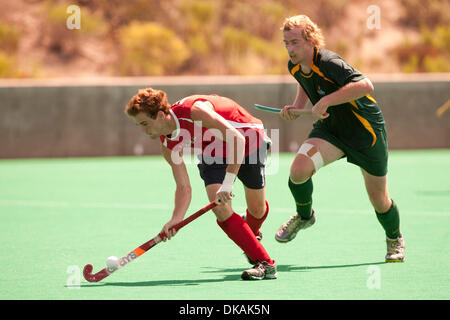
431 53
150 49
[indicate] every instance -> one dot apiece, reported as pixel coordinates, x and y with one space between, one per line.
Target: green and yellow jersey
356 123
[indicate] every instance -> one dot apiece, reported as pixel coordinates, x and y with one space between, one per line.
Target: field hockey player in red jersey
230 143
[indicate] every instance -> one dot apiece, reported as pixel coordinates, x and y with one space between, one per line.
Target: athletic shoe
395 249
289 230
259 238
260 271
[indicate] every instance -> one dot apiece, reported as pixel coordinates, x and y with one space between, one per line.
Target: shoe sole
246 276
280 240
249 277
395 260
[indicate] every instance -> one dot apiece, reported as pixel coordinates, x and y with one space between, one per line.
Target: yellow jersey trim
295 69
353 103
316 70
367 125
368 96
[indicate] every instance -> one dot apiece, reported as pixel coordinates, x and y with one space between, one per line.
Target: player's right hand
285 114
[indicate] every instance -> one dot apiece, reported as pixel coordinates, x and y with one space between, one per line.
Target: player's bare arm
299 103
182 192
349 92
210 119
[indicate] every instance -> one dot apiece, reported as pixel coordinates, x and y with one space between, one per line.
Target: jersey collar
174 135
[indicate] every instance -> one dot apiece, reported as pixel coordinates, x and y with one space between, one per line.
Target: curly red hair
149 101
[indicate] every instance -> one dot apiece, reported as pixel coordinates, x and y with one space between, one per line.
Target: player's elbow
238 144
368 86
185 190
240 140
188 191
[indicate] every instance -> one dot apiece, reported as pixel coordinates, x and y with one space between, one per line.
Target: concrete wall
67 117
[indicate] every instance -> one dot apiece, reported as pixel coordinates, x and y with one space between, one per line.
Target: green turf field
56 215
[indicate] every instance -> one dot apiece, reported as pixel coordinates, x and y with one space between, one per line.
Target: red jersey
190 133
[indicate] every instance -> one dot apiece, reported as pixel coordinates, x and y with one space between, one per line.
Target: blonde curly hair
310 31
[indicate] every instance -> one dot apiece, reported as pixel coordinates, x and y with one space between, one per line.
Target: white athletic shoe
289 229
395 249
260 271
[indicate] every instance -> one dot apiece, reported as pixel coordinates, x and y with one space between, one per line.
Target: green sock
390 221
303 197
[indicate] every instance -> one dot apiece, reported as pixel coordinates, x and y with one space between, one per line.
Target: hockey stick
102 274
276 110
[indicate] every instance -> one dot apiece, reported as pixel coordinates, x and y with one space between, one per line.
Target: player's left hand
224 194
222 197
319 110
170 232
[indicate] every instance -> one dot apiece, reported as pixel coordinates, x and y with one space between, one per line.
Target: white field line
94 205
104 205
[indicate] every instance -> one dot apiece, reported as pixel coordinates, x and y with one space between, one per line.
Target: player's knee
222 212
306 163
258 210
380 201
301 171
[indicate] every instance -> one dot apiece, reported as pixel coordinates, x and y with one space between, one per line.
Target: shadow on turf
184 282
232 277
288 267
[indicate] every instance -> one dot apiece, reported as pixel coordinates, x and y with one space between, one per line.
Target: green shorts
373 159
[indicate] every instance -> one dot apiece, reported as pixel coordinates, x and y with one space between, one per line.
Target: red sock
255 223
239 231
